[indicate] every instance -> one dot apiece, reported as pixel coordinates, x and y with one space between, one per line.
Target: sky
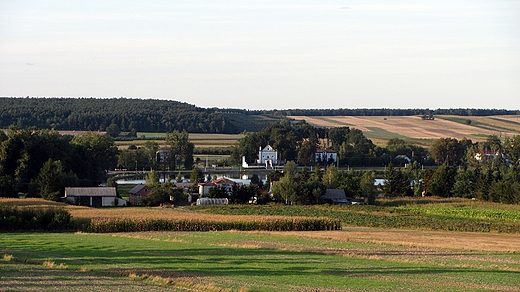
266 54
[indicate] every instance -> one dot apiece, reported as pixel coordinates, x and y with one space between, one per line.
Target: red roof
325 150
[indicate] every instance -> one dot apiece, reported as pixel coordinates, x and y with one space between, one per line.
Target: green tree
337 136
218 191
235 158
331 177
306 153
396 183
465 184
181 149
248 147
50 180
286 187
512 148
367 187
159 193
113 130
150 150
94 155
442 181
447 151
179 177
152 179
290 169
197 176
317 173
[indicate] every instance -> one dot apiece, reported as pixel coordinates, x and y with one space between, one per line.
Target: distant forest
154 115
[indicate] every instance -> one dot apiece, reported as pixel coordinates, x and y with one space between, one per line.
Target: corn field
285 224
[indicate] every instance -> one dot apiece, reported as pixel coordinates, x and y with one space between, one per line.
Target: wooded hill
153 115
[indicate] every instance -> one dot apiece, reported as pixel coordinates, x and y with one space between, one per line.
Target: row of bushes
13 218
286 224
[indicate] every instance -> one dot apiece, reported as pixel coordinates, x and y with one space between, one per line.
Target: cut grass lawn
252 261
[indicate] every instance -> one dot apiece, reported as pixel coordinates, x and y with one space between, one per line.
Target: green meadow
242 261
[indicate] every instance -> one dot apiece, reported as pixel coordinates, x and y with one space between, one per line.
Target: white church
267 157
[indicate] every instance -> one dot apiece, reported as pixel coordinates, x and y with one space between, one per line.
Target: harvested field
472 241
86 213
253 261
416 128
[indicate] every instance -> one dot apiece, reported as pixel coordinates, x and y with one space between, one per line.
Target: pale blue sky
266 54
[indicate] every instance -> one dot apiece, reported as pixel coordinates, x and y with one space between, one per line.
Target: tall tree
512 148
396 182
331 177
447 150
181 149
367 187
95 154
196 176
52 180
307 152
442 181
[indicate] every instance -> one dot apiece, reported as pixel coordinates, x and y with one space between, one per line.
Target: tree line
93 114
153 115
42 162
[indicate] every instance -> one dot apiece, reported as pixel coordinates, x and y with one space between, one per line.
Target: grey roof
91 192
136 189
334 194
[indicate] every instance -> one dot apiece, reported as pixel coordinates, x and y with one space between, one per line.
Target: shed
93 197
138 192
335 196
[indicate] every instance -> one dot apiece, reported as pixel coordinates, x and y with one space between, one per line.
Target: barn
93 197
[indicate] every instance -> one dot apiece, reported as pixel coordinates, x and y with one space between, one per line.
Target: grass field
348 260
353 259
418 131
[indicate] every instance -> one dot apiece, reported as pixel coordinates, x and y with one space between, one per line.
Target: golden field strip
87 213
416 128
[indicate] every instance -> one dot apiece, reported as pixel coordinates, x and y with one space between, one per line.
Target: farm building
335 196
221 182
138 192
93 197
325 155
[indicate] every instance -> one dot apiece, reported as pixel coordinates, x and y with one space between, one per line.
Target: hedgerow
13 219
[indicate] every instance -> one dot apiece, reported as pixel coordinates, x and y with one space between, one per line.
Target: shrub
12 219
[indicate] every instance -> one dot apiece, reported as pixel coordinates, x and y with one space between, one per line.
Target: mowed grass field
418 131
352 259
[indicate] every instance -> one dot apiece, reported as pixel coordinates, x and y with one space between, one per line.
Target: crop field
200 140
356 258
418 131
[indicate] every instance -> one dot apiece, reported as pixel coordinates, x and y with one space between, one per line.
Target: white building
267 156
325 155
93 197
